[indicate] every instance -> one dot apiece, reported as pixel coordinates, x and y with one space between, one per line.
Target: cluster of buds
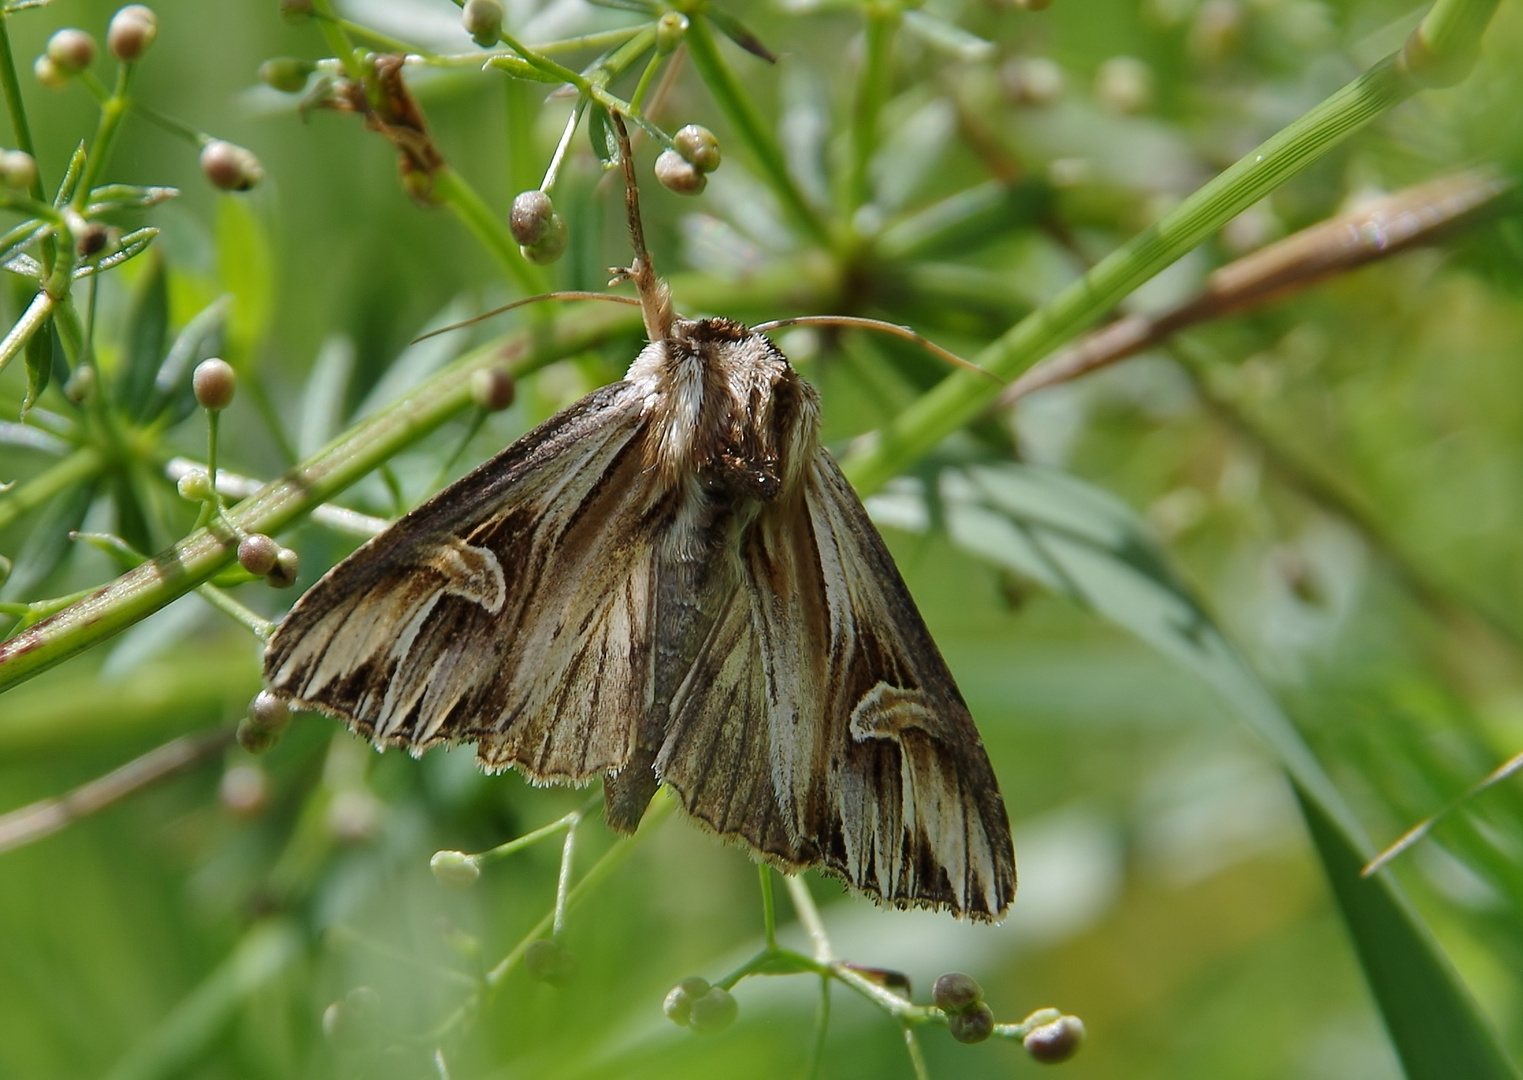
261 728
685 167
71 51
541 232
695 1004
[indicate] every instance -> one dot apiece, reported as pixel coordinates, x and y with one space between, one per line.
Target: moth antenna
883 328
655 297
568 294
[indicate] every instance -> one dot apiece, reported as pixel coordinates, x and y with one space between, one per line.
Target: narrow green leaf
198 340
522 69
71 176
147 331
947 37
248 272
132 245
127 196
1431 1018
21 237
39 365
48 543
605 141
738 32
644 7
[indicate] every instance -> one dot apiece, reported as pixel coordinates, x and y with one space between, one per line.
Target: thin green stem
489 228
883 18
111 112
917 1059
646 77
16 106
563 880
809 915
821 1029
338 39
769 907
170 124
601 40
32 319
1444 47
257 625
961 396
737 105
562 148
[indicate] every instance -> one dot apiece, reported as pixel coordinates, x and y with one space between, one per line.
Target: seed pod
49 74
551 246
713 1012
257 553
1055 1042
671 28
253 738
678 1005
91 239
955 992
214 382
492 389
482 19
455 869
72 50
18 169
286 73
973 1026
678 174
268 713
229 166
81 385
131 32
283 574
195 486
530 219
698 145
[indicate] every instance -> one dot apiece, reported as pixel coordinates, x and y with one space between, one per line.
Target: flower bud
551 246
545 961
244 790
698 145
671 28
482 19
131 32
195 485
973 1026
286 73
1055 1042
455 869
49 74
268 713
81 385
257 553
353 816
18 169
530 219
1032 80
91 239
253 738
296 10
214 382
678 1005
230 167
492 389
955 992
283 574
1124 84
72 50
713 1012
678 174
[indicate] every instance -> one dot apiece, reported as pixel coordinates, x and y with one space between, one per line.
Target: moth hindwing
672 582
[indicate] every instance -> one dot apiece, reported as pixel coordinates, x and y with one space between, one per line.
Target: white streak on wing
390 717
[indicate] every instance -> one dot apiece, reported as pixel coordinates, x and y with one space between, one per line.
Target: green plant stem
488 228
883 18
257 625
1443 48
338 40
111 112
961 396
736 104
769 907
16 106
193 560
32 319
917 1059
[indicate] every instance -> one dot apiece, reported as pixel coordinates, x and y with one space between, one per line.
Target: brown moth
671 582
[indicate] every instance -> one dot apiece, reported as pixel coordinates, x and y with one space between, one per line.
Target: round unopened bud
296 10
529 220
973 1026
678 1005
1032 80
71 49
48 72
1124 84
671 28
678 174
955 992
455 869
286 73
283 574
91 240
253 738
195 485
18 169
1055 1042
482 19
229 166
214 382
268 713
244 790
713 1012
698 145
257 553
132 31
492 389
81 385
551 246
353 816
547 962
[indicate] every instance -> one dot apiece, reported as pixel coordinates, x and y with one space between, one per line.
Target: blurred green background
1169 894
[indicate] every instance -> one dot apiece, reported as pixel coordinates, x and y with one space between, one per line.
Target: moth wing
511 609
823 678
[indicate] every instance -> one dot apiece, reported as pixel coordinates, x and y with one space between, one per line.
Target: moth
671 582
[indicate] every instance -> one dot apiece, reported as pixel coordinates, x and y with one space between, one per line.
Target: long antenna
655 298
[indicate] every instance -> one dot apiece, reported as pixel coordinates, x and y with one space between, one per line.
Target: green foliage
1299 516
